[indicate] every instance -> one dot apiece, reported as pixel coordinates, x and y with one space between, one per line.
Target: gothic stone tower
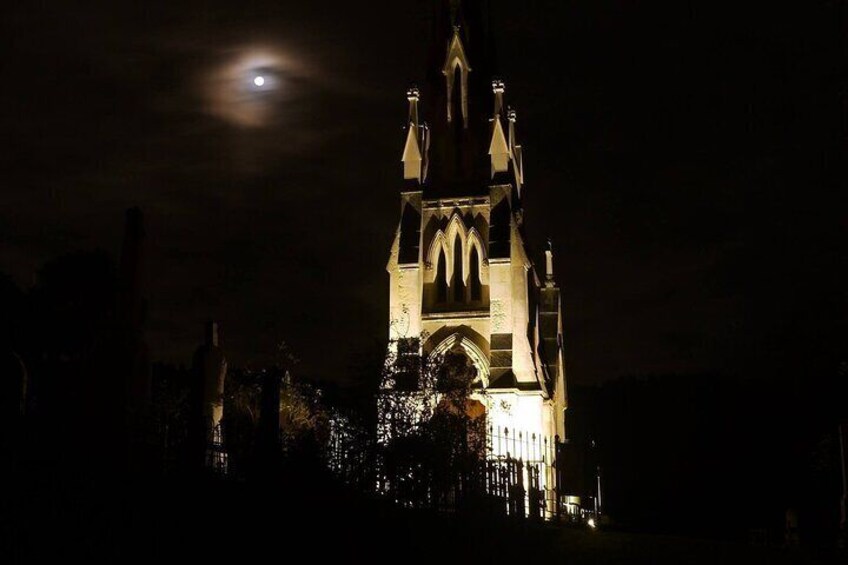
461 277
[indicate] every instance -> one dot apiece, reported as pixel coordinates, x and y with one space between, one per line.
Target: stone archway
457 341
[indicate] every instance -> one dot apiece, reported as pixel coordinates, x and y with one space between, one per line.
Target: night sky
686 159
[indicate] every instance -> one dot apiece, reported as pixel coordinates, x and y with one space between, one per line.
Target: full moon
247 86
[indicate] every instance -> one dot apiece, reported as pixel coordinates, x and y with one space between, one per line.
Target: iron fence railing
515 476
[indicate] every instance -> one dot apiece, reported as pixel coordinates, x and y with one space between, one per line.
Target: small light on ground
259 81
591 523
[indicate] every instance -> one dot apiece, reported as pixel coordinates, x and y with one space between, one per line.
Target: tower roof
458 99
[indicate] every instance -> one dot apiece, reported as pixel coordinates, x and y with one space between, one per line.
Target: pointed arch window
457 284
474 275
441 278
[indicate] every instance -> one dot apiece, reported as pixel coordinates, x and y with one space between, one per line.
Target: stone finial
499 149
549 264
413 96
498 88
412 155
512 117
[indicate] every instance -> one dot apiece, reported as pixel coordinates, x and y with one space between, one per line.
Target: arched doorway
459 343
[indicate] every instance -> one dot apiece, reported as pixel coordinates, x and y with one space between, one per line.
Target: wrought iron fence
516 476
216 458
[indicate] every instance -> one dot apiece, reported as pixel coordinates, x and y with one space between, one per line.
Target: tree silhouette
431 431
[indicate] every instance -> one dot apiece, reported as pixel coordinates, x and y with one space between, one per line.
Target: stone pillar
210 372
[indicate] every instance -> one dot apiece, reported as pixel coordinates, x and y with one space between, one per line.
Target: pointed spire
499 150
412 157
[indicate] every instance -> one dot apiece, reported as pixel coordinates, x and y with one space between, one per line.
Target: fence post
557 463
521 490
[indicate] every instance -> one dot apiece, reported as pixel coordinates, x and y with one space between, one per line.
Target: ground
195 520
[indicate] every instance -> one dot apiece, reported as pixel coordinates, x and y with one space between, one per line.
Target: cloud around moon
251 85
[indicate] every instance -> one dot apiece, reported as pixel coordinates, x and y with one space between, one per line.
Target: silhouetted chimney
210 373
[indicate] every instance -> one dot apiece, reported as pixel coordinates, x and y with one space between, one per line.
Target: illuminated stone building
461 276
